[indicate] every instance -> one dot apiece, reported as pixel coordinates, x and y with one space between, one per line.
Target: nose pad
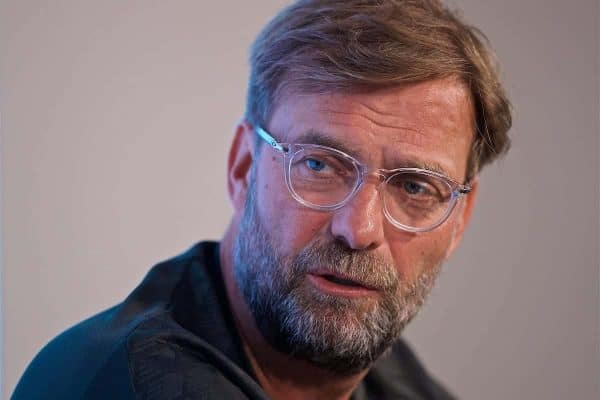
375 177
380 177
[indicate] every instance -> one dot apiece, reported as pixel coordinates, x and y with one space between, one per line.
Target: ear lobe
464 211
239 164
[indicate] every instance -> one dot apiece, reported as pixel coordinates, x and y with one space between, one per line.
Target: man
352 177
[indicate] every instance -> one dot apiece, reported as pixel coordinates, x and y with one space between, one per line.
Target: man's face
288 259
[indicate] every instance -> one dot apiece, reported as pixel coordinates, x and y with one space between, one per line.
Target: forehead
430 123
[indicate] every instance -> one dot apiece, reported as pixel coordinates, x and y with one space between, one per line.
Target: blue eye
315 165
413 187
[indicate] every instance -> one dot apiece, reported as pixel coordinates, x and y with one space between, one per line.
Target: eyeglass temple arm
268 138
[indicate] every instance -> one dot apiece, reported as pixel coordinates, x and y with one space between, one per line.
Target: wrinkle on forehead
410 134
421 112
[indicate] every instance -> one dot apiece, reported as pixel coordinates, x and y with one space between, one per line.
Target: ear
464 211
239 164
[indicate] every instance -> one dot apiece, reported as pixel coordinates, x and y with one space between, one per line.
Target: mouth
337 285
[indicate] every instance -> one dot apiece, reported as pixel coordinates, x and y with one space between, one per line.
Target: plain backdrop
116 119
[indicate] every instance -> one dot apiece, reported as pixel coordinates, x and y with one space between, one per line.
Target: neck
280 375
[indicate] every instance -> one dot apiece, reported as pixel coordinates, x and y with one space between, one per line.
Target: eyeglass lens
321 177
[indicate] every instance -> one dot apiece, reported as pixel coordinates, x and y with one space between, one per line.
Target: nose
360 222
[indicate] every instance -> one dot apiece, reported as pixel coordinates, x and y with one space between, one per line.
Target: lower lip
337 289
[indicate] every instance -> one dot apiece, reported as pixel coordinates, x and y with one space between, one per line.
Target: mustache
364 267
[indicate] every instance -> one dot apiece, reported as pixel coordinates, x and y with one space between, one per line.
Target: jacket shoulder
97 347
65 367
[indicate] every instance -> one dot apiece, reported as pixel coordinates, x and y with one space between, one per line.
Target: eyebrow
314 137
429 166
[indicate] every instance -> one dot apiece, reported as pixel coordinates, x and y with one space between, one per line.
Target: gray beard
342 335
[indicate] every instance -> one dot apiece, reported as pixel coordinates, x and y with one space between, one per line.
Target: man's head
325 46
393 84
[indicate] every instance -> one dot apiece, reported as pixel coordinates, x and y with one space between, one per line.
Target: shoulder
68 363
93 354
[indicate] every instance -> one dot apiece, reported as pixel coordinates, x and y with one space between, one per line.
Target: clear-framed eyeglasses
324 178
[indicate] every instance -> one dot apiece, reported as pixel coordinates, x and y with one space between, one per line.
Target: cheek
290 225
420 253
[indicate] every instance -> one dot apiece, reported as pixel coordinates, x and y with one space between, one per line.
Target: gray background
116 118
